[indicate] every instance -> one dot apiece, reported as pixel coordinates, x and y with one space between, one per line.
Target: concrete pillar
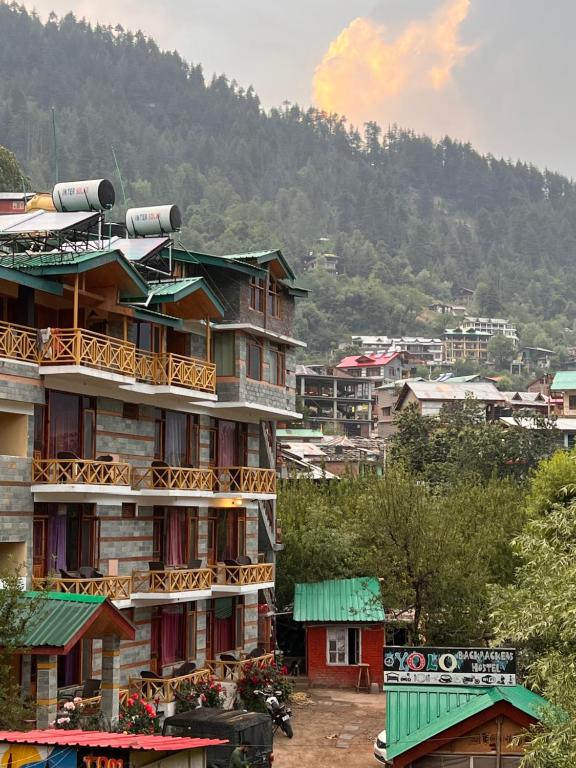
111 678
47 691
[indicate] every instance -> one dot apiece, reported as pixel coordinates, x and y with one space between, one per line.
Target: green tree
11 179
501 350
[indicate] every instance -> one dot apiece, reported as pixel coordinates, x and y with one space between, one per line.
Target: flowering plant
138 716
259 676
68 718
207 693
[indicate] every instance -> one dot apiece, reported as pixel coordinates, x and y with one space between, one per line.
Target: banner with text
450 666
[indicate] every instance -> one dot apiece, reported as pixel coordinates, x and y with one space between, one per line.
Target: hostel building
140 386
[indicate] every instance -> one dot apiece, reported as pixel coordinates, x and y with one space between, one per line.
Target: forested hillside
409 218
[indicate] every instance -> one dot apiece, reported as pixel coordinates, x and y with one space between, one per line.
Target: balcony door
231 447
176 439
226 534
175 535
66 426
228 624
65 537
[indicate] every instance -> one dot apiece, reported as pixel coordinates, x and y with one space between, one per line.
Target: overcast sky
494 72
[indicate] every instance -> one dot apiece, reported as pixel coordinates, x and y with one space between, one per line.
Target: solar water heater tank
93 195
154 220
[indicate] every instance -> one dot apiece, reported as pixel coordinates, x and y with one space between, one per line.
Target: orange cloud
366 76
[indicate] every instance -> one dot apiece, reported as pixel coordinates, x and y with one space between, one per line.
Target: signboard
474 667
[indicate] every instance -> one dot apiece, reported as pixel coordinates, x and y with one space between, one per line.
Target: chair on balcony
106 458
185 669
156 565
147 674
69 574
243 560
194 565
88 572
257 652
88 689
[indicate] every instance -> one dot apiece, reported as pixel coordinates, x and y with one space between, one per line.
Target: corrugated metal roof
105 740
173 291
351 600
416 713
59 618
564 380
445 390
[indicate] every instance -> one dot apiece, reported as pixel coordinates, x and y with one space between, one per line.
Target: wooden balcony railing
165 689
77 346
18 342
236 670
187 372
175 478
114 587
244 480
172 580
242 575
80 471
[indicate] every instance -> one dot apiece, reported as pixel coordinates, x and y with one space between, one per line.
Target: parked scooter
279 711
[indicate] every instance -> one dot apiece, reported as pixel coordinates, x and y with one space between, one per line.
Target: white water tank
93 195
154 220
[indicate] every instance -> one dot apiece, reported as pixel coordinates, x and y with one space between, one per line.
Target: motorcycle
279 711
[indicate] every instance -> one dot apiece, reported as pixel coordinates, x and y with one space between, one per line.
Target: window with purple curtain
56 545
175 537
176 439
64 424
173 631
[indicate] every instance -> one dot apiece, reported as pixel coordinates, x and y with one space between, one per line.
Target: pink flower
202 697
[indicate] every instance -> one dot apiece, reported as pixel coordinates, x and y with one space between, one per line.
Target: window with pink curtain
64 424
173 633
175 537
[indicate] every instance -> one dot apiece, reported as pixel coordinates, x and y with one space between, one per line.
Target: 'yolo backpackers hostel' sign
450 666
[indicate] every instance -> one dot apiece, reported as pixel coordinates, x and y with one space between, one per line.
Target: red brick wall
319 671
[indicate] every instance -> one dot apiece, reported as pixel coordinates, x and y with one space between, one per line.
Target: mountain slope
408 218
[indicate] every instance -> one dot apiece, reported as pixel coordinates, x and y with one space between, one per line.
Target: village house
430 396
495 326
424 350
140 386
344 624
466 343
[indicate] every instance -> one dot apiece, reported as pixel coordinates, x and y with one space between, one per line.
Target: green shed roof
21 278
564 380
61 619
417 713
350 600
299 433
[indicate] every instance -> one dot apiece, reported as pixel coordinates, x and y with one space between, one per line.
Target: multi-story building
331 397
495 326
140 384
428 351
466 344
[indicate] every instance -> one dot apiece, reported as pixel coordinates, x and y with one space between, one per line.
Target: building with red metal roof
104 740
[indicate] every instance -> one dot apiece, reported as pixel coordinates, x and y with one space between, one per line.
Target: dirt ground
320 733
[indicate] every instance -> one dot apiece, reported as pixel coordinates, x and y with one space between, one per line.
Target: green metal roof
295 288
172 291
59 618
224 262
47 264
142 313
564 380
299 433
351 600
236 260
417 713
463 379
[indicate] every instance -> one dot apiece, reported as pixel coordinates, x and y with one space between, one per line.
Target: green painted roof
351 600
59 618
417 713
224 262
240 259
21 278
462 379
299 433
143 313
171 291
564 380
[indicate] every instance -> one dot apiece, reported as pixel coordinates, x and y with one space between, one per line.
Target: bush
208 692
257 677
138 716
68 719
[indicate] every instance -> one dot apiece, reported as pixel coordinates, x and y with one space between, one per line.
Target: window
128 511
173 634
191 633
71 426
343 646
257 291
130 411
176 438
254 361
224 354
572 402
277 367
273 298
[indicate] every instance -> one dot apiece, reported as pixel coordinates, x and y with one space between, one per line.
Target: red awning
107 740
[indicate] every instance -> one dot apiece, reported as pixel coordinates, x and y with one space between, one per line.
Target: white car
380 748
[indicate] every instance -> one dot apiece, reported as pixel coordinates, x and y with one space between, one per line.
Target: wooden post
76 279
208 341
125 327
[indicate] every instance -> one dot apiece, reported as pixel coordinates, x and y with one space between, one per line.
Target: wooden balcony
80 472
243 575
245 480
175 479
77 346
172 580
187 372
236 670
17 342
114 587
165 689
